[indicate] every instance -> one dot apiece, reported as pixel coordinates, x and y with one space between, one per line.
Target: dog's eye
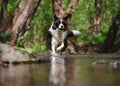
64 22
57 21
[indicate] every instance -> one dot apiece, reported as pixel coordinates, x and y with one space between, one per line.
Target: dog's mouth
63 29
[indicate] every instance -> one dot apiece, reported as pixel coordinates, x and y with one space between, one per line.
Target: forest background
102 32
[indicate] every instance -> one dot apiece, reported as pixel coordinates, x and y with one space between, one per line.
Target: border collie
58 34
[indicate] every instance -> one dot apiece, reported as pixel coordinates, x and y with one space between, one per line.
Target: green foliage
12 5
82 20
3 36
34 49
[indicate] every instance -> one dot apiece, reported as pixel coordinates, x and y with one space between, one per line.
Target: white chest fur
58 37
58 34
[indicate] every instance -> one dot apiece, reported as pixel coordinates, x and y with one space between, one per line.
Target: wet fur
58 34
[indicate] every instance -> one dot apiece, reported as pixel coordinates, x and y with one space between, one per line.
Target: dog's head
60 23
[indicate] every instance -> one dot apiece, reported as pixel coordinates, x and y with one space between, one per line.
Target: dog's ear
55 17
65 18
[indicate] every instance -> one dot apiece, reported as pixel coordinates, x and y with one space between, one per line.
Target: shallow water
79 70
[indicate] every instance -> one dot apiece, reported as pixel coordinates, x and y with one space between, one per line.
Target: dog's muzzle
62 29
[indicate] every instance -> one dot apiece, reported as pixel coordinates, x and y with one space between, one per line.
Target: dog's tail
73 33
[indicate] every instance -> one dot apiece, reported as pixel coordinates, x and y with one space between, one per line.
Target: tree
112 33
97 19
23 15
3 13
60 12
20 19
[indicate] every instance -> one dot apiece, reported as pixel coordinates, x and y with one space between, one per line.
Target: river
72 70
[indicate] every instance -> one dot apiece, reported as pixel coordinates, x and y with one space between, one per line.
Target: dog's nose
62 26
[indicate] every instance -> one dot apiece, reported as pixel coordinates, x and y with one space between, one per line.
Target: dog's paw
60 47
54 53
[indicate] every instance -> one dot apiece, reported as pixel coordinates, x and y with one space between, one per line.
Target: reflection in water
24 75
15 76
57 72
63 71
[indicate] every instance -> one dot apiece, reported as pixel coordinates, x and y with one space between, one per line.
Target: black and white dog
58 34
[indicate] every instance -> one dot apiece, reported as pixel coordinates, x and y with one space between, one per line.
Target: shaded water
78 70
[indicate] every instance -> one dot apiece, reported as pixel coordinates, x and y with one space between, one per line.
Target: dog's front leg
53 46
60 47
64 42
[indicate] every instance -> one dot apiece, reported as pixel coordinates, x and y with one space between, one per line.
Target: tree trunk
23 15
97 20
111 36
3 10
3 13
58 8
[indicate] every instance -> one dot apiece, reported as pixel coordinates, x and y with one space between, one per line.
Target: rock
101 62
11 54
113 64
